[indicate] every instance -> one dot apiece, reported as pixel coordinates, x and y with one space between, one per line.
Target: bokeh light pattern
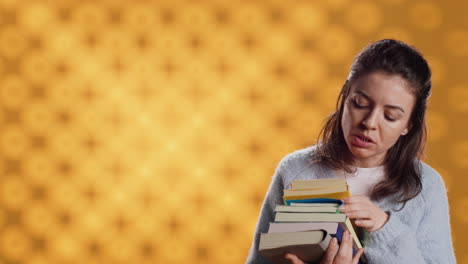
148 131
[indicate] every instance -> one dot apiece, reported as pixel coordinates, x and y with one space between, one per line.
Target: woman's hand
293 259
369 216
342 254
335 254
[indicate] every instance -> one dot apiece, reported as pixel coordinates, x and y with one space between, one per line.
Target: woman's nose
370 121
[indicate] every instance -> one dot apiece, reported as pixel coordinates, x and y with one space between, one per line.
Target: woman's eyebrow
370 99
395 107
364 94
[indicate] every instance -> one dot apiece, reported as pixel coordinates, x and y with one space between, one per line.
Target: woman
376 139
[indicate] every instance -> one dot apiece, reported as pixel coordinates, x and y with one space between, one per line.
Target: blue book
315 200
339 236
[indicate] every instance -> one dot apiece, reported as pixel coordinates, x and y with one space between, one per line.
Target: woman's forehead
384 87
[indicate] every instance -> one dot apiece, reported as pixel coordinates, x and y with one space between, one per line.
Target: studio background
148 131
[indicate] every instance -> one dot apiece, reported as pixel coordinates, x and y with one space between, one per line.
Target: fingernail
334 241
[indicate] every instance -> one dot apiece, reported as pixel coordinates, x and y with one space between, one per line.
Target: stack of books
307 221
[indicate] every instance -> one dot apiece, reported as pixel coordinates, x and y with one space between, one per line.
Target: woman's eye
389 118
357 105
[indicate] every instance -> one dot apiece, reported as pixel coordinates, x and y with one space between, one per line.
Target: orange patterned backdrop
148 131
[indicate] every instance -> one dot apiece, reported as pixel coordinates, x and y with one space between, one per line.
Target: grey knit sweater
420 233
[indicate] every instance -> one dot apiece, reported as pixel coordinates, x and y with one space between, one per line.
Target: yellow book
295 192
326 196
317 184
316 191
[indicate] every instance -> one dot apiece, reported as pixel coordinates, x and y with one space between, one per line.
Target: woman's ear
405 131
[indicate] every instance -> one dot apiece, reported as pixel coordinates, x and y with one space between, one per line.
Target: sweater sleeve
274 196
428 242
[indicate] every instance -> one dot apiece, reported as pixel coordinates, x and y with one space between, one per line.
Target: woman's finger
365 223
331 251
355 199
358 255
358 214
346 246
353 207
293 258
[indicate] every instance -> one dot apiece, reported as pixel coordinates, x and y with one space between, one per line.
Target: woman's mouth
361 141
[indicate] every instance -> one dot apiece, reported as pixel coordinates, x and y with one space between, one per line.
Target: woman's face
376 113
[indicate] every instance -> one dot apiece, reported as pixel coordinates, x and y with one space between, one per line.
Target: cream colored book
309 246
317 184
309 217
342 219
306 209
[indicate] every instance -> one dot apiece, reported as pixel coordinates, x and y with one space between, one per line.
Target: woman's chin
361 152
